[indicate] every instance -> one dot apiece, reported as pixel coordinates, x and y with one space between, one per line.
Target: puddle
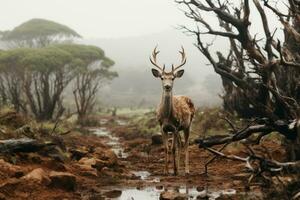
103 121
153 193
145 194
121 122
113 141
145 176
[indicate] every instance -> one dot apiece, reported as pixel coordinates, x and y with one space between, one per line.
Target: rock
63 180
87 171
10 184
56 154
172 195
85 165
9 170
93 163
96 196
38 175
35 158
159 187
77 154
2 196
107 172
157 139
113 194
56 166
107 155
87 161
199 188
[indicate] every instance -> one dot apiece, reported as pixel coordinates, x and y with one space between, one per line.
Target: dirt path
143 159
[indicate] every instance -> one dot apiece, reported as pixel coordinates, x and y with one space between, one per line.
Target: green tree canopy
46 59
14 58
85 53
38 33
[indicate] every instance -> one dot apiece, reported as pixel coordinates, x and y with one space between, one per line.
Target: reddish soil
100 167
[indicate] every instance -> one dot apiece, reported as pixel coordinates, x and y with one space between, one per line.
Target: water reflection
113 141
154 193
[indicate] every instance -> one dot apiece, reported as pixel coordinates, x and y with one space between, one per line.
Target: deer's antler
153 60
183 60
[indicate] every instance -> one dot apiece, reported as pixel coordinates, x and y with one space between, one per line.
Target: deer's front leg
174 153
166 149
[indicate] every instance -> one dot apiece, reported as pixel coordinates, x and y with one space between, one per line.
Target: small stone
87 170
157 139
172 195
10 170
199 188
2 196
35 158
107 155
56 166
38 175
77 154
63 180
96 196
159 187
87 161
10 183
93 163
113 194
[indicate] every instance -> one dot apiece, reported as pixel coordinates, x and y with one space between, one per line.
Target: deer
174 113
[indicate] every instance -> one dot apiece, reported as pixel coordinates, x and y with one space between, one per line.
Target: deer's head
167 78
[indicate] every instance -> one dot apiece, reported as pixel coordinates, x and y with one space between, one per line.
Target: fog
128 31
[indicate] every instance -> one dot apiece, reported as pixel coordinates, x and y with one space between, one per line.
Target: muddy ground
115 161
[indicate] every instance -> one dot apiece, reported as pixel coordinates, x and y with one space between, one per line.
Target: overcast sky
105 18
96 18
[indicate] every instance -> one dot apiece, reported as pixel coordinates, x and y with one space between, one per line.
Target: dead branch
222 139
288 129
265 164
22 145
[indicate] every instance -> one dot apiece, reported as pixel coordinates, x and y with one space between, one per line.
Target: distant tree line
42 61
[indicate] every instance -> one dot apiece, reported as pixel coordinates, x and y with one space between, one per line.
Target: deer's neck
167 104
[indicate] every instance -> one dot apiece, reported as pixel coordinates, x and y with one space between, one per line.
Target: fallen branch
288 129
22 145
222 139
264 164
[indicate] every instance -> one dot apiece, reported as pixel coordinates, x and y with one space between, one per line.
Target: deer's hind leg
178 150
186 150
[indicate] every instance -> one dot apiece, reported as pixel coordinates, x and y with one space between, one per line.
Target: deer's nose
167 87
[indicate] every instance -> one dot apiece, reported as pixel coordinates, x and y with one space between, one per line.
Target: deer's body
174 114
177 111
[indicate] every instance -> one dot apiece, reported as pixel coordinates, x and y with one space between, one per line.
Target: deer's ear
179 73
156 73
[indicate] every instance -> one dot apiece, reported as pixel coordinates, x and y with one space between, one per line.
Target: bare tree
48 72
87 85
261 77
